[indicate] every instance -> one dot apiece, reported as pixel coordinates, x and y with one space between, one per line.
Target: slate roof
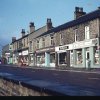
38 32
82 19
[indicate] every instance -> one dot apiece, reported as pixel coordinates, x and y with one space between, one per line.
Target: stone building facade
79 42
6 54
73 44
33 34
21 49
76 42
45 50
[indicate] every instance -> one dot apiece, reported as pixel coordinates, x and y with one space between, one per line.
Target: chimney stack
32 27
13 39
98 8
78 12
49 24
23 32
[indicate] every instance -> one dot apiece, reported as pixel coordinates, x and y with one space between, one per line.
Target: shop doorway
62 58
87 59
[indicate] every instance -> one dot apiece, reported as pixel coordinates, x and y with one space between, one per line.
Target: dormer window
87 32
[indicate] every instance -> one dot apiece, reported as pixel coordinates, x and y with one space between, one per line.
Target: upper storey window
76 35
30 45
61 38
37 44
87 32
43 42
52 40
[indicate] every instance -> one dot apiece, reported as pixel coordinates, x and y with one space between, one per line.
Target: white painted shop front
83 54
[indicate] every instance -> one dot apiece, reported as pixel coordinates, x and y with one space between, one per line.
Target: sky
17 14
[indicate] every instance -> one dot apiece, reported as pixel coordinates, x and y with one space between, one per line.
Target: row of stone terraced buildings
73 44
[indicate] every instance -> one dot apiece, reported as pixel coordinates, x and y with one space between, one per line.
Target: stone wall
9 88
68 34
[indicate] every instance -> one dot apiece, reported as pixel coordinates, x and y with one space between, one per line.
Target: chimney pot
99 8
77 9
32 27
31 24
13 39
80 9
23 32
78 12
49 20
49 24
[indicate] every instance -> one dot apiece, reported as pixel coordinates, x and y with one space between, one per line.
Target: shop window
52 58
62 58
31 57
38 59
79 57
41 59
96 55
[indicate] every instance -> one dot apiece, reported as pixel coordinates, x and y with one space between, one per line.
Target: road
82 80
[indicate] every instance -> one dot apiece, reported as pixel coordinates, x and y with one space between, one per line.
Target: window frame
76 35
87 32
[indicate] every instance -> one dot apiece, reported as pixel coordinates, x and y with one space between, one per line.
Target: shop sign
7 53
44 50
64 48
83 44
59 50
20 54
25 52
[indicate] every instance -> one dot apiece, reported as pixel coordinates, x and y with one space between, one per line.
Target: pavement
70 69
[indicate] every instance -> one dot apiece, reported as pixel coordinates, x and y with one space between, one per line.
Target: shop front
31 59
23 58
45 57
83 54
61 56
86 54
15 57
